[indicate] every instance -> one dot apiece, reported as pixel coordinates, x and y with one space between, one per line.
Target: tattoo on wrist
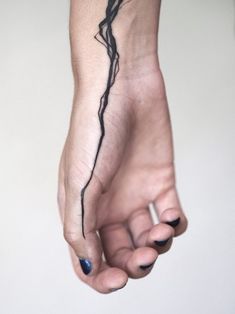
106 38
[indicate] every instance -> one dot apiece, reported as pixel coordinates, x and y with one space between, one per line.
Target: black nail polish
86 265
115 289
161 243
174 223
146 266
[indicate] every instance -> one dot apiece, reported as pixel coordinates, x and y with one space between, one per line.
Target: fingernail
174 223
161 243
114 289
146 266
86 265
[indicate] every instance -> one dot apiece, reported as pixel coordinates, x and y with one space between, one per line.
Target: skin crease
135 165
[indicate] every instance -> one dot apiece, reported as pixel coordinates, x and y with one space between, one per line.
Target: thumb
80 223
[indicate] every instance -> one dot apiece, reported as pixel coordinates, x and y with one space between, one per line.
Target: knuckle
71 237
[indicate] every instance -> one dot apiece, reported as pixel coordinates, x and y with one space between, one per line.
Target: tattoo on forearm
106 38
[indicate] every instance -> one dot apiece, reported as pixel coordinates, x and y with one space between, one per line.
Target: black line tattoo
107 39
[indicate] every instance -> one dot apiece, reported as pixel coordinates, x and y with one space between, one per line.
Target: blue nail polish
161 243
146 266
174 223
86 265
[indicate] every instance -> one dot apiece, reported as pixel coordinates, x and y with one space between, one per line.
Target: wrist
135 33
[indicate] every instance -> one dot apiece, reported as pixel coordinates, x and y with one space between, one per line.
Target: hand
135 166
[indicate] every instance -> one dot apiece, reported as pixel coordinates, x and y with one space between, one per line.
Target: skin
135 164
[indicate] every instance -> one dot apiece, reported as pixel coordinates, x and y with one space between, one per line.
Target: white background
197 53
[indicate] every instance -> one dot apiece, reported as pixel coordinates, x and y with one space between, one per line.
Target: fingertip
175 218
119 280
111 279
160 232
141 262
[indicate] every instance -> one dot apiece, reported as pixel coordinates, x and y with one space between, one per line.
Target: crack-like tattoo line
107 39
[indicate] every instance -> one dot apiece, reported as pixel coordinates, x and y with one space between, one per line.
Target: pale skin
136 164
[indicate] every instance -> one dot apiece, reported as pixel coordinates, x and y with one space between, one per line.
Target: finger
169 211
144 233
140 223
119 251
81 233
107 280
160 237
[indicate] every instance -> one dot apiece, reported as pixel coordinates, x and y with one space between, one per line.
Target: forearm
134 28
